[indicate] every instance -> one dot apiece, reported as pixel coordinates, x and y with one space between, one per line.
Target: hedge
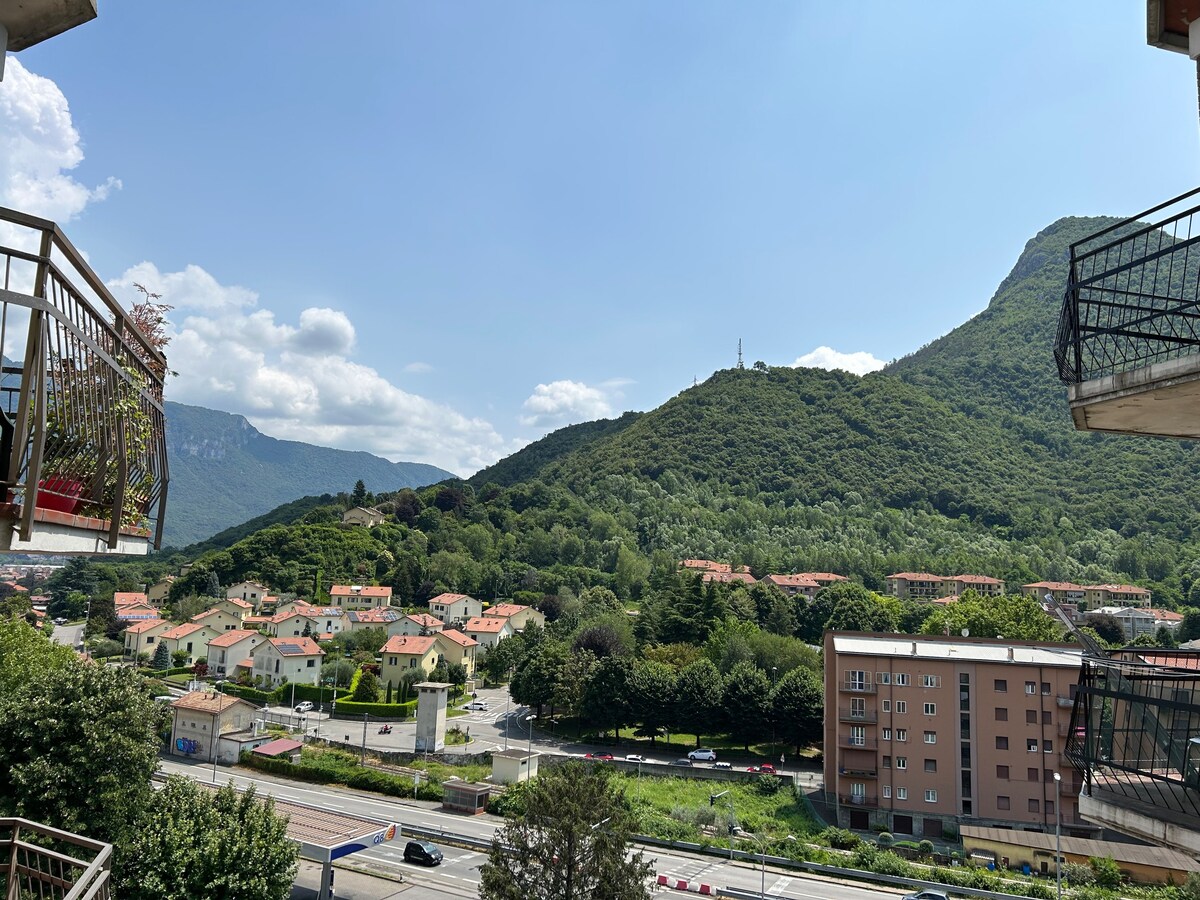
315 692
337 768
348 709
249 693
163 673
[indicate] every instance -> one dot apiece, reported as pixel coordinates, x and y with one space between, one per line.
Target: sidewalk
348 885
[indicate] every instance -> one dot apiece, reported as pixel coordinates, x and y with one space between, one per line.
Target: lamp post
774 669
529 750
1058 836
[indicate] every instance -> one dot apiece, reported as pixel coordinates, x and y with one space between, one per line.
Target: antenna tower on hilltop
740 364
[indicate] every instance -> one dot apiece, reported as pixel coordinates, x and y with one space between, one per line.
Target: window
902 734
1031 687
931 737
931 766
1045 689
902 679
931 681
1049 807
1034 806
392 661
1047 775
887 762
1001 713
931 796
931 709
312 663
1001 685
858 792
901 762
883 677
1031 717
887 790
858 707
887 734
886 705
1001 743
1046 717
858 736
1002 803
856 680
1002 773
901 793
901 706
1031 745
1031 774
1047 746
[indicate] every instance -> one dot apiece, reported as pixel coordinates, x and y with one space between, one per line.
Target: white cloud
858 363
563 402
418 368
38 147
300 381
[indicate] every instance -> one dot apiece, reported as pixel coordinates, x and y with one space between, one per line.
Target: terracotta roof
408 645
505 610
145 625
425 620
129 598
791 580
257 620
486 624
707 565
974 579
378 615
917 576
459 638
296 646
357 590
1055 585
449 599
209 612
278 747
1165 615
822 576
316 612
129 613
1121 589
207 701
238 601
182 631
229 638
1174 659
727 577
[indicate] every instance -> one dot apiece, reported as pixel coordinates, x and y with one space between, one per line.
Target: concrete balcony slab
1162 399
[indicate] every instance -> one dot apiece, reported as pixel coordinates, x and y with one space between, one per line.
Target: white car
635 757
304 706
703 754
477 704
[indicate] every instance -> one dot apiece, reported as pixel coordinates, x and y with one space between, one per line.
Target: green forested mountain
224 471
959 458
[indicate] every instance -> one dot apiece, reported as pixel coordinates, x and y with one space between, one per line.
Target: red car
765 768
603 757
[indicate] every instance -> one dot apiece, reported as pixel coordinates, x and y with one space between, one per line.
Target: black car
423 853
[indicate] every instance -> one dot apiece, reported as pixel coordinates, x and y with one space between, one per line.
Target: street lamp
1058 835
774 669
529 751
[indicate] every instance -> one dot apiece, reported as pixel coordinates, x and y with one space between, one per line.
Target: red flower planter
58 493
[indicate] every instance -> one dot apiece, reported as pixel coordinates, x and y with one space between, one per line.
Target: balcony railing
859 799
853 743
82 430
1133 294
858 687
43 862
866 717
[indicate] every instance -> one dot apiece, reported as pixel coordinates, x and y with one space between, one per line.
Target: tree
1107 626
162 657
80 744
862 614
359 496
367 689
26 654
652 696
605 700
745 700
798 708
212 587
571 843
1189 628
205 846
698 699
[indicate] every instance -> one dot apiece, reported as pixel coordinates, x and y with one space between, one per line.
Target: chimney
1011 655
914 648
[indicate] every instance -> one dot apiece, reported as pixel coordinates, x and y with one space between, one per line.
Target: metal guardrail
49 864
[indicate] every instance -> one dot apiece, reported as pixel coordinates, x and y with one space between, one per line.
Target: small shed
465 796
283 748
512 766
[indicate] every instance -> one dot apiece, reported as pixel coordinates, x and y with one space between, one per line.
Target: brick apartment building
923 586
924 733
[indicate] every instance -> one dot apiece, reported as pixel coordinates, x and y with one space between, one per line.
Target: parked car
60 621
703 754
927 895
478 705
602 757
682 762
765 768
304 706
722 765
422 853
634 757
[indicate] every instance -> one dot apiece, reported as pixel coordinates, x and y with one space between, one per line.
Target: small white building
363 516
250 591
232 650
191 638
518 616
292 659
512 766
488 631
455 608
419 624
357 596
201 717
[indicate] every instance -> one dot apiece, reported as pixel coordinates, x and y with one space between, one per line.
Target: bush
840 838
1190 889
1080 875
886 839
1108 873
767 785
925 847
351 709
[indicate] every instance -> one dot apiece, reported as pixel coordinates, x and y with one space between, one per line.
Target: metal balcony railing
43 862
82 428
1133 294
857 716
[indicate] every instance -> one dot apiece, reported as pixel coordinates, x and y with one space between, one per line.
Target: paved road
458 876
67 635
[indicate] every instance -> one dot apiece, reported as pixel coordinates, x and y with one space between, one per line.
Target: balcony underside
1162 399
67 534
1141 819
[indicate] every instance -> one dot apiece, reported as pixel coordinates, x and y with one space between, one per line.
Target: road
458 876
67 635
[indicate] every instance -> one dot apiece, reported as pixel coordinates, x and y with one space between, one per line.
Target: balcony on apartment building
82 428
858 799
1135 738
1128 344
857 716
39 861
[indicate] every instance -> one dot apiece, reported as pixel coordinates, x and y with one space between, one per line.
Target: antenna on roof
741 365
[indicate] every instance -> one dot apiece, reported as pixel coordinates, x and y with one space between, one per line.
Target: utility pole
363 757
712 801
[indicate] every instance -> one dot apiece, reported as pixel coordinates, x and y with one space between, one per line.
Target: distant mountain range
224 471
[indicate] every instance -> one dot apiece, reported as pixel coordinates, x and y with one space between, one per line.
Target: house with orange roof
357 596
1062 591
130 598
488 631
158 592
142 637
233 650
794 585
250 591
316 620
706 565
980 584
201 718
218 619
914 585
728 577
1129 595
191 638
292 659
456 647
139 612
518 616
375 617
454 608
235 606
824 579
403 653
419 624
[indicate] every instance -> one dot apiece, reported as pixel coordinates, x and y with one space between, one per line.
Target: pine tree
359 497
162 657
389 693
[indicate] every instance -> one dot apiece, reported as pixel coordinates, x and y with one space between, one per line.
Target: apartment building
923 586
1090 596
925 733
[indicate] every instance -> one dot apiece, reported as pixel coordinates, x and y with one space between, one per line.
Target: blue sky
436 231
